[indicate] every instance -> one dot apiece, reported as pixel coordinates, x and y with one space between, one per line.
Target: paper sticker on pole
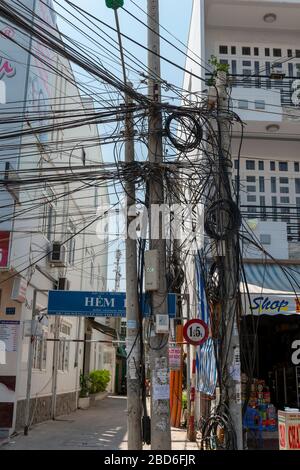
195 332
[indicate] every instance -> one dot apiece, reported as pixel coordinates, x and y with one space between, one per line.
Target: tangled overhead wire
184 131
222 218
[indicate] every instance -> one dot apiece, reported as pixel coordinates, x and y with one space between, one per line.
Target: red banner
4 249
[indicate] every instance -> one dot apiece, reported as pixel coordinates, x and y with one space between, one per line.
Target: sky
175 17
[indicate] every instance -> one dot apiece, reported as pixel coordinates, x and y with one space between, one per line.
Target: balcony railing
285 86
288 214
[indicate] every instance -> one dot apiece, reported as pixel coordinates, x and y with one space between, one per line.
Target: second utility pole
231 388
133 345
158 347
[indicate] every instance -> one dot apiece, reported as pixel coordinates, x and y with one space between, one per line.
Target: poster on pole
175 358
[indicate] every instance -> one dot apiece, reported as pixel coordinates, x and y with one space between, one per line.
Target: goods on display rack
260 400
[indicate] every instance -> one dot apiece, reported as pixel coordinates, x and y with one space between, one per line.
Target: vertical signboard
41 81
14 69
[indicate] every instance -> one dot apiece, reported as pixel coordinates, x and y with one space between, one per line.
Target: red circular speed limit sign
195 332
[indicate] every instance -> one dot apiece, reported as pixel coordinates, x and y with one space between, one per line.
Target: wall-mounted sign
97 304
273 304
4 249
289 430
296 354
9 334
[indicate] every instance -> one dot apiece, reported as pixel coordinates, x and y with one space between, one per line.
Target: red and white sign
289 430
4 249
174 358
195 332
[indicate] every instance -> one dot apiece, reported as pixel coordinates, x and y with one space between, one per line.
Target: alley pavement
103 426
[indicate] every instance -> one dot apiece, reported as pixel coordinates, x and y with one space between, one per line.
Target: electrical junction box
151 270
162 323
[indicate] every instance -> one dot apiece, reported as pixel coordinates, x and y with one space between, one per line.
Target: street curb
4 441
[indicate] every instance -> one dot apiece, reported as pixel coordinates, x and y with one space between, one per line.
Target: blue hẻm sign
97 304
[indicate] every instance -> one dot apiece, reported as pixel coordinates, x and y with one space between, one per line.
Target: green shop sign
115 4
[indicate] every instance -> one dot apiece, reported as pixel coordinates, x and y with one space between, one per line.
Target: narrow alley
103 427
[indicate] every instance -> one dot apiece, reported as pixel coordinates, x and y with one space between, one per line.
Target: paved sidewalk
102 426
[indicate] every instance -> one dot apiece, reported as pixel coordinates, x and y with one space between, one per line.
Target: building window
267 52
251 189
284 180
297 185
297 52
250 164
49 214
223 49
83 157
246 50
64 347
251 198
284 190
289 53
256 51
262 201
285 211
251 179
233 50
261 165
265 239
71 244
236 164
261 184
273 185
283 166
285 200
96 197
274 204
272 166
40 352
277 52
296 167
236 183
243 104
260 104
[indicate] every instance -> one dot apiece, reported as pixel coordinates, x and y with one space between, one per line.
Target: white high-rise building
260 41
43 203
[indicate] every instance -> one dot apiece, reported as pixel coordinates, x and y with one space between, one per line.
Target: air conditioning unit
57 256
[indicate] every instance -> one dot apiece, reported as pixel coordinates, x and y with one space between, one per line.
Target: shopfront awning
271 290
106 330
283 278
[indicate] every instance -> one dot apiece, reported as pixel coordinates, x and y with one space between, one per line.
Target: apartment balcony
253 14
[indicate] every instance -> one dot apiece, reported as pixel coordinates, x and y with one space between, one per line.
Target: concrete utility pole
133 347
231 346
30 364
160 382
